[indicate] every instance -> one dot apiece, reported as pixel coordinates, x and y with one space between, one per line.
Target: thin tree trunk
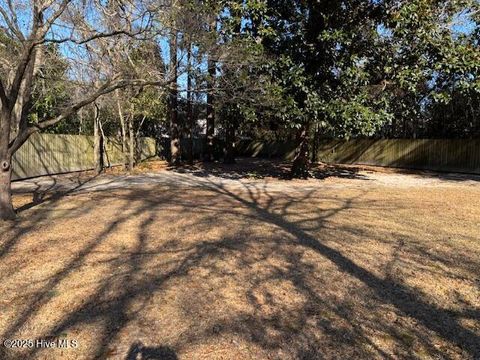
301 164
138 144
174 126
80 118
138 150
315 142
131 144
229 150
122 127
104 147
98 141
189 105
210 131
231 122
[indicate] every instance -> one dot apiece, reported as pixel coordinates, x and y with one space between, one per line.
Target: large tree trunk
210 131
301 164
6 208
175 153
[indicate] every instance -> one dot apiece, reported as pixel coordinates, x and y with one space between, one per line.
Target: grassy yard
350 265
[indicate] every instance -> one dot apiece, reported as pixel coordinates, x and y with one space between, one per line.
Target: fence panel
439 154
47 154
461 155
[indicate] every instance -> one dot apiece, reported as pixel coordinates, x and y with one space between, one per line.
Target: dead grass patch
158 271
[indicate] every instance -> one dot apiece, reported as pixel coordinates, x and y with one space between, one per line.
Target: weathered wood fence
439 155
47 154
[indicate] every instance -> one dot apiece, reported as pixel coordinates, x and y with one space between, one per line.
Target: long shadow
403 298
39 196
133 284
41 297
251 168
114 313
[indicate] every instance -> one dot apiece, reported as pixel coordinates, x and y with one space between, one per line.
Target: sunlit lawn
354 270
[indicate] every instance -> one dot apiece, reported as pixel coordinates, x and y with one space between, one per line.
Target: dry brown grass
165 272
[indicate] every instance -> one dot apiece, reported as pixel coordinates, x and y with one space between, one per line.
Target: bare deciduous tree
91 35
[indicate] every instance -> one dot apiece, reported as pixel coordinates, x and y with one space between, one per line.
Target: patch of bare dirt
334 268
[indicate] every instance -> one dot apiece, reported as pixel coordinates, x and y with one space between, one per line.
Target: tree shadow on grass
42 191
316 325
48 195
403 298
252 168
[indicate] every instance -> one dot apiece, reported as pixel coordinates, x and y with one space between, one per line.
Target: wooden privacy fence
47 154
440 155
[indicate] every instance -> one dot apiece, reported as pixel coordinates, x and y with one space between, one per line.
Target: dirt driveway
206 263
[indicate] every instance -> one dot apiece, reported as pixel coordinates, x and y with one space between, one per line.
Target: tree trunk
210 131
191 127
138 143
6 207
104 147
122 128
80 118
174 140
174 126
138 150
190 121
98 141
229 149
315 144
232 121
301 164
131 144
